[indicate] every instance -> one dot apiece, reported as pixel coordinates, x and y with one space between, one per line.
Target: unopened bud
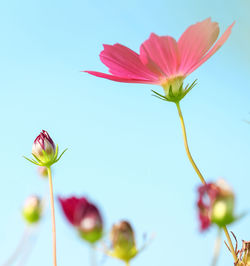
90 228
215 204
32 209
123 241
223 206
84 216
44 148
42 171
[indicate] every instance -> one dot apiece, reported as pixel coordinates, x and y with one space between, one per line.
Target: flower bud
215 204
223 206
44 148
84 216
32 209
42 171
123 241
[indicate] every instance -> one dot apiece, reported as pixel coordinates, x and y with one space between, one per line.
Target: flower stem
199 173
52 215
230 244
22 243
127 263
186 145
217 246
93 256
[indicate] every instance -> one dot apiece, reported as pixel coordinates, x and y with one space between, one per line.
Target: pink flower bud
32 209
44 148
42 171
84 216
215 204
123 241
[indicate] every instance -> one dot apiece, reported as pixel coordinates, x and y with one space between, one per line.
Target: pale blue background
125 146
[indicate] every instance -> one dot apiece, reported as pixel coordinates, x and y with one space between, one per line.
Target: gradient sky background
125 146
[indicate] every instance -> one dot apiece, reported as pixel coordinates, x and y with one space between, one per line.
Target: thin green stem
186 145
202 179
230 244
52 215
127 263
217 247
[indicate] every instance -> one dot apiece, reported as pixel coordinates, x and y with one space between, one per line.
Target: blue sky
125 146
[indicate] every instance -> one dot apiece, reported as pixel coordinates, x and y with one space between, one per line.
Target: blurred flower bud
44 148
215 204
84 216
223 206
123 241
32 209
42 171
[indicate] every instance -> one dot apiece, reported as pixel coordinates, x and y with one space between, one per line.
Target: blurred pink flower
42 171
84 216
215 204
163 60
207 195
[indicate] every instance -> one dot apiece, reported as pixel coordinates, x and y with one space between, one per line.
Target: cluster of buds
215 204
123 242
32 209
84 216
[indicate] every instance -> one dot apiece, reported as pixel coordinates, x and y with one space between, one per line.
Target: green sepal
121 254
92 236
55 158
171 97
30 160
61 155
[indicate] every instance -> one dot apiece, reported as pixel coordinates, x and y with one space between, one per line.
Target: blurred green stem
217 247
93 256
230 245
22 243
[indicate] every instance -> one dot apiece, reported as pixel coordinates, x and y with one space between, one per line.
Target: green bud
123 241
42 171
32 209
223 206
223 211
92 236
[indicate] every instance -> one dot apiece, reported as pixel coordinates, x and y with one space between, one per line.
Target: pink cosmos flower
163 60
